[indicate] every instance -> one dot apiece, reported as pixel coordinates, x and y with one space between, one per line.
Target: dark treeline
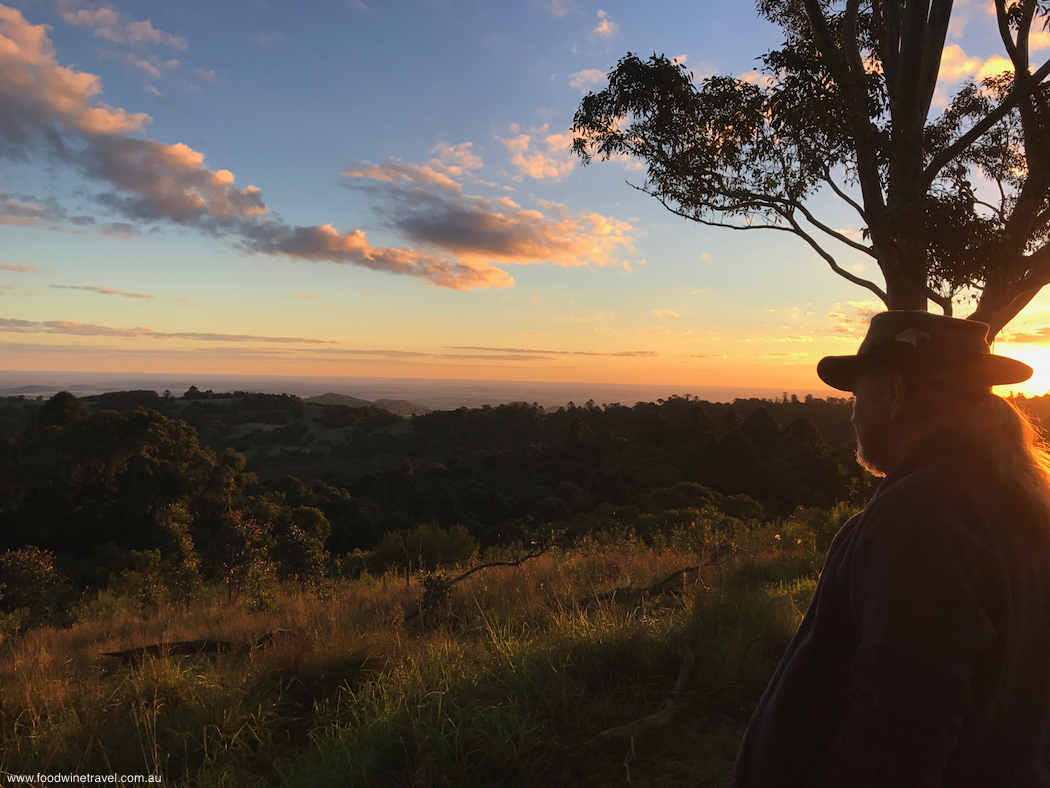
245 488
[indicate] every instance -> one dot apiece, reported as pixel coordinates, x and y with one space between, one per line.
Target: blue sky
384 189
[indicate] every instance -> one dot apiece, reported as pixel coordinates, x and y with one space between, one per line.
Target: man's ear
897 391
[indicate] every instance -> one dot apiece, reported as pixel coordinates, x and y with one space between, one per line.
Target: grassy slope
504 686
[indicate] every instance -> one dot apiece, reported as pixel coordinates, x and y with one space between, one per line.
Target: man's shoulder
952 481
943 501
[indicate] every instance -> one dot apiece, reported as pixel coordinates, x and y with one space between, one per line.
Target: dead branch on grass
182 648
663 717
429 599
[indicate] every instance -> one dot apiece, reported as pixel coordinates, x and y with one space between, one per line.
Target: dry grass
499 685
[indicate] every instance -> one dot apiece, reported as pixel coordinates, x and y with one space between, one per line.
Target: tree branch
822 38
941 300
932 50
831 260
1011 298
843 196
536 552
707 222
997 210
890 23
979 129
833 233
849 40
657 720
1004 29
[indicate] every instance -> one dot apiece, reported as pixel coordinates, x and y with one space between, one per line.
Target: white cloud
582 79
664 313
151 64
111 25
559 7
851 232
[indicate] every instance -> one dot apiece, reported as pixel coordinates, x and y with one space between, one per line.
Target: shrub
426 547
33 591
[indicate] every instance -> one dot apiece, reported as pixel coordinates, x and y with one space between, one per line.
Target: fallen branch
668 584
658 720
183 648
429 601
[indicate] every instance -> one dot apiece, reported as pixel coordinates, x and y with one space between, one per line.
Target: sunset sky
384 188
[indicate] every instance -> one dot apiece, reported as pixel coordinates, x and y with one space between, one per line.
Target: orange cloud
325 243
102 290
90 329
851 318
35 89
956 65
1038 335
150 181
517 350
394 171
474 230
453 159
554 163
605 28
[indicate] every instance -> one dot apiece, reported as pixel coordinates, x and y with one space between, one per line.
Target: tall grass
503 684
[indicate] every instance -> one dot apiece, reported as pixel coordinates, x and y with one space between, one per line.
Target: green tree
843 109
73 480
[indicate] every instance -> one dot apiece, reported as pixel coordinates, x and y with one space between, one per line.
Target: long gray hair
1011 442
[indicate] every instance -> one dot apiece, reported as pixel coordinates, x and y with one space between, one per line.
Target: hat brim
840 372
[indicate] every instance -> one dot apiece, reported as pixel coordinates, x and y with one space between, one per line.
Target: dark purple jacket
924 657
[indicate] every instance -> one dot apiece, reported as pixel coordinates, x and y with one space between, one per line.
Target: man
924 657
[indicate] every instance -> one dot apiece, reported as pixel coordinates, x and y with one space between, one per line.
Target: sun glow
1035 356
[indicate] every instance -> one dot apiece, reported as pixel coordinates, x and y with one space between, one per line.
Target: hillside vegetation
279 585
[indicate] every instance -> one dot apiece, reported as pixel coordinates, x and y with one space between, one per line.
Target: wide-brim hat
924 341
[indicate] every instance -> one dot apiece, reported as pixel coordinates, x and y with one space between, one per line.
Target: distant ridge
399 407
338 399
437 394
402 407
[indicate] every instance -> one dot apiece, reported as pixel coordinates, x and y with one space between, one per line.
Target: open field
504 683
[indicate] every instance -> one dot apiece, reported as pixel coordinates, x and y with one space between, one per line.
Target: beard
866 461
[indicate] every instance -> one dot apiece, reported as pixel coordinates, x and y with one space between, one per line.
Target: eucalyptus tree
954 204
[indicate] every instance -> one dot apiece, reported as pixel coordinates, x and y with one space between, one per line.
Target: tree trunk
905 287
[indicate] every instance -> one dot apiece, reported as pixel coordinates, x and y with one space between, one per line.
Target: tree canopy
955 206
